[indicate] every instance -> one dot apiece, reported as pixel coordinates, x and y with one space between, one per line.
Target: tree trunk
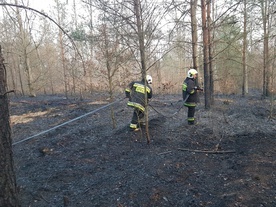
264 8
24 56
194 32
108 63
205 55
141 37
244 52
62 53
8 189
29 74
21 79
210 51
91 46
13 72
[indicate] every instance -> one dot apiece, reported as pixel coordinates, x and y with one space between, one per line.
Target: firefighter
135 92
189 91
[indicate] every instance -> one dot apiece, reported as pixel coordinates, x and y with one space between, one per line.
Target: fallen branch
2 95
163 153
207 151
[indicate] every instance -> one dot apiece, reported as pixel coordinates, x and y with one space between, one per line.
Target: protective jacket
189 92
136 94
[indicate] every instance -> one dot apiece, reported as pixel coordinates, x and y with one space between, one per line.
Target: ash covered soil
226 160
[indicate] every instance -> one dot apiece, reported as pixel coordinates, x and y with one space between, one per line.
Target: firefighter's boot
191 122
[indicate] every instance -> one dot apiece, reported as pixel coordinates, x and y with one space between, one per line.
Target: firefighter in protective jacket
189 91
136 95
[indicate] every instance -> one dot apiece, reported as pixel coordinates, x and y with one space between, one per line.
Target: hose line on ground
75 119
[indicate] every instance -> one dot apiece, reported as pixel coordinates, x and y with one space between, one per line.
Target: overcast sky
39 5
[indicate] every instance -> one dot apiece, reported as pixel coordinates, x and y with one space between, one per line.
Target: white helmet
149 79
192 72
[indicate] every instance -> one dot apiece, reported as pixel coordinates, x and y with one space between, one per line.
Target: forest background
78 47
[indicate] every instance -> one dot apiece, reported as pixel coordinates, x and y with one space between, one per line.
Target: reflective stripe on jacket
136 105
136 94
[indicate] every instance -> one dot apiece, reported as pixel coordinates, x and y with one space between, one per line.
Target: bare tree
25 59
139 30
206 54
265 18
60 15
8 188
194 33
141 38
210 51
27 52
112 55
177 42
244 51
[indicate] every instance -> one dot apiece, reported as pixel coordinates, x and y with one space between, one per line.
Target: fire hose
67 122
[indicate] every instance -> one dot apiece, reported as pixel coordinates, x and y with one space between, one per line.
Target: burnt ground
226 160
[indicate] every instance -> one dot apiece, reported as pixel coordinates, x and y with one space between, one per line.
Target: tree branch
207 151
11 91
52 20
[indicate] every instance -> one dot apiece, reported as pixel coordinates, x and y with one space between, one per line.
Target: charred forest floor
227 159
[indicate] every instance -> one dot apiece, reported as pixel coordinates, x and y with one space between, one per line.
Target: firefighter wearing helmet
135 92
189 91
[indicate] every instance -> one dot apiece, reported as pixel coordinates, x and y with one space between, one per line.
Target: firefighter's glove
198 88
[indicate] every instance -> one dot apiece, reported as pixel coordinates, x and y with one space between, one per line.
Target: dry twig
162 153
208 151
